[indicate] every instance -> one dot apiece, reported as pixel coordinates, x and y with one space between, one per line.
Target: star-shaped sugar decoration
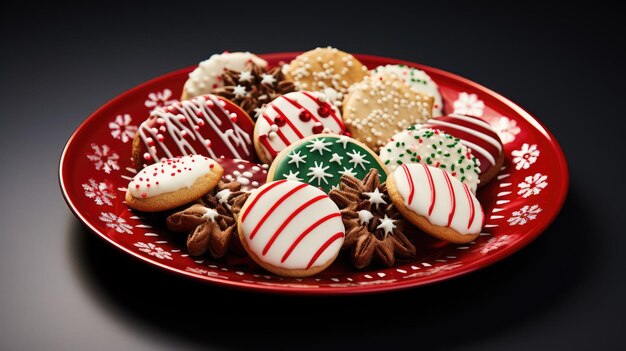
347 171
245 76
210 214
267 79
292 176
222 196
319 172
336 158
365 217
319 145
343 140
375 197
239 91
357 158
296 158
259 111
387 225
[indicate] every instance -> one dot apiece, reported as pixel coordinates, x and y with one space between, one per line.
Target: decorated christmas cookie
437 203
292 117
206 125
253 87
417 79
378 107
248 174
327 70
208 74
479 136
434 148
321 160
291 229
172 183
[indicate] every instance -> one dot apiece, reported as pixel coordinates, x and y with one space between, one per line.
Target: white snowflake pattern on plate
121 128
201 271
495 243
525 214
469 104
103 158
153 250
525 156
507 129
115 222
100 192
434 270
532 185
159 99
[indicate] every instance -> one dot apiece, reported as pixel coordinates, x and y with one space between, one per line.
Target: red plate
524 199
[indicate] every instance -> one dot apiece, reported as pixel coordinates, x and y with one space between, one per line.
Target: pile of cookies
296 164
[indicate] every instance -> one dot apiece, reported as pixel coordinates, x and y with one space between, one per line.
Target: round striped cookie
291 228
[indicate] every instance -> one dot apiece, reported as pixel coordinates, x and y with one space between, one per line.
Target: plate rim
347 290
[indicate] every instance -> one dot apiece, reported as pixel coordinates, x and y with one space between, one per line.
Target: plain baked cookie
438 204
291 229
321 160
292 117
327 70
172 183
208 74
379 107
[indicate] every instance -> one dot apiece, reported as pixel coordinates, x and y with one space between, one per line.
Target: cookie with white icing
479 136
172 183
434 148
208 74
326 70
321 160
206 125
417 79
435 202
378 107
291 229
249 174
292 117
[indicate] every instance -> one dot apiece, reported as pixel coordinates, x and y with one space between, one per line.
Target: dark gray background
61 287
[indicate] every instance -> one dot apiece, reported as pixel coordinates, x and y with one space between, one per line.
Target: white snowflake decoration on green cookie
347 171
292 176
336 158
296 158
319 145
319 172
357 159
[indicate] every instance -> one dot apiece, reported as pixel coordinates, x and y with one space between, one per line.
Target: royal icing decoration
434 148
432 193
292 225
321 161
249 174
294 116
206 125
475 133
169 175
208 74
417 79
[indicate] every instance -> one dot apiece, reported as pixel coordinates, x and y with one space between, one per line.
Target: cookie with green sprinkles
321 160
434 148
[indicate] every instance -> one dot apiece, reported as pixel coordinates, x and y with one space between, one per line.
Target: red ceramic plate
524 199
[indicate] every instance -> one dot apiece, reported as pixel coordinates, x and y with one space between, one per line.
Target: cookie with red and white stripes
479 136
291 117
436 202
291 229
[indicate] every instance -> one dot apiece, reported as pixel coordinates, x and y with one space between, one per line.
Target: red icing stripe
274 207
282 114
452 197
264 140
410 181
279 132
330 109
433 192
298 106
306 232
260 195
471 203
324 247
290 218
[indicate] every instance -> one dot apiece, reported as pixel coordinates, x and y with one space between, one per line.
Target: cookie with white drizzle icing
249 174
172 183
434 148
291 117
291 228
417 79
321 160
206 125
435 202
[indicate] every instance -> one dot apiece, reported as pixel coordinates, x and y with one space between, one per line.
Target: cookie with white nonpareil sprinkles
417 79
434 148
291 229
437 203
249 174
292 117
326 70
378 107
208 74
479 136
321 160
172 183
